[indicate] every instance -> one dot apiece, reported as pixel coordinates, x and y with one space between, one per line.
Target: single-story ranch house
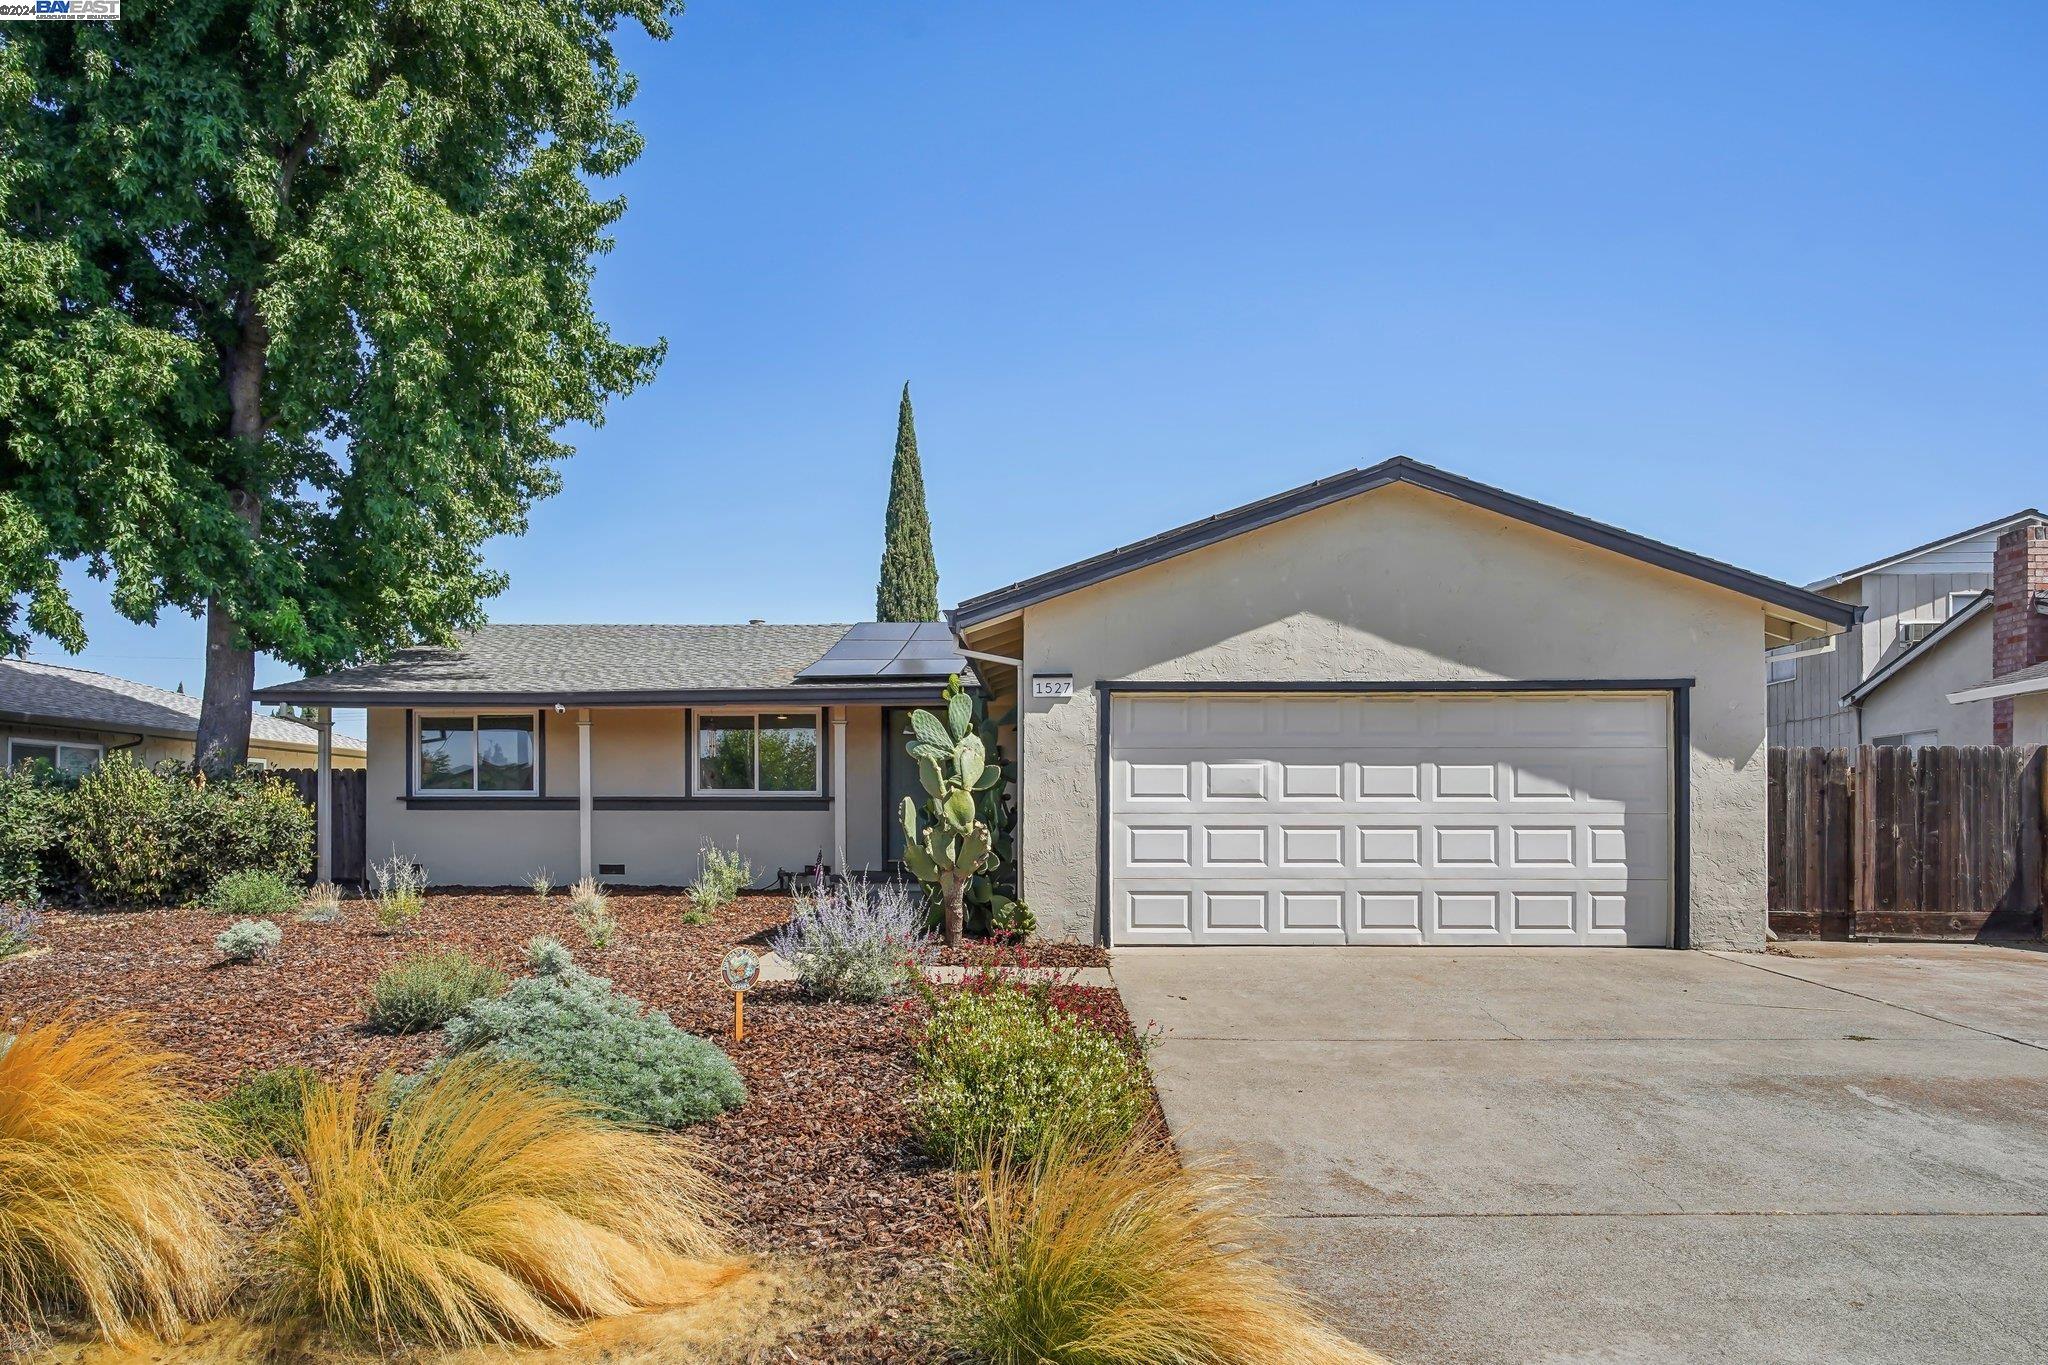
1393 706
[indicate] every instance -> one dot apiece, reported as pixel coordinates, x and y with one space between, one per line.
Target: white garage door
1449 818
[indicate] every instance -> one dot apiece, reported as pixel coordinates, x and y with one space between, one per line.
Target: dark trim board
754 803
1322 493
1679 690
817 694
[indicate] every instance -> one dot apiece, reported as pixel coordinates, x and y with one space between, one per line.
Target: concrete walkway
1614 1155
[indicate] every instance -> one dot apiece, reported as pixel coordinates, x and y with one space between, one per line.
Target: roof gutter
801 695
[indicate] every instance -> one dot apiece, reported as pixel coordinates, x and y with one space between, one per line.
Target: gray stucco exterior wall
1916 700
1402 585
2030 720
635 752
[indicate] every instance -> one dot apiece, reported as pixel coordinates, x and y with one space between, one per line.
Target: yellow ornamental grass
111 1203
1123 1257
492 1208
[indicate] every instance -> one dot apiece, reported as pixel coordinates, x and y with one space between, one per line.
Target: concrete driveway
1622 1156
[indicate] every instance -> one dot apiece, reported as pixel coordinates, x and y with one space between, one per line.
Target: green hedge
124 834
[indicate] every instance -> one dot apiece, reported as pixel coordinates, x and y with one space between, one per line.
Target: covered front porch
623 752
634 794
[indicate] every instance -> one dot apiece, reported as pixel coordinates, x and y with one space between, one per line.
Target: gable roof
1807 605
598 665
34 693
1878 565
1904 659
2026 680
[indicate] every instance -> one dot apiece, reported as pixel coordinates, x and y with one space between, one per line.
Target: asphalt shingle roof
52 692
568 661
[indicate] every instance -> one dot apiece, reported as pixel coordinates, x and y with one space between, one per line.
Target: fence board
1942 842
351 792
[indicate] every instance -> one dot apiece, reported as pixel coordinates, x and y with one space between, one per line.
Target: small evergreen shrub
265 1114
583 1035
122 832
250 823
428 990
32 806
593 912
401 891
855 942
248 940
251 892
720 878
1000 1068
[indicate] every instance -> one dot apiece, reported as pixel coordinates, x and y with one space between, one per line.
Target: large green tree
909 585
294 302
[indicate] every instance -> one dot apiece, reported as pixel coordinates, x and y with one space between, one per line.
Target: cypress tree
909 585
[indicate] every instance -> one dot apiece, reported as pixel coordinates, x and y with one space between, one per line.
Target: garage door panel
1376 819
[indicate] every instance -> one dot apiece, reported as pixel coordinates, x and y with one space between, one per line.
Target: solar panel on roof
889 649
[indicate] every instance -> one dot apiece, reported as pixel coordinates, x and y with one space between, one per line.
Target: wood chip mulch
820 1158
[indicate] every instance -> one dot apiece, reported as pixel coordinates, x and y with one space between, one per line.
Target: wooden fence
351 840
1922 843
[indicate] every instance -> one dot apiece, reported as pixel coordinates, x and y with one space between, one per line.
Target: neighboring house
1925 630
2016 689
1394 706
73 718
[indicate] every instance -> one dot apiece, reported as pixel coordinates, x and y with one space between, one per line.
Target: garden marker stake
740 968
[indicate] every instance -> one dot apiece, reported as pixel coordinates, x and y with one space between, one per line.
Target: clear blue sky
1767 282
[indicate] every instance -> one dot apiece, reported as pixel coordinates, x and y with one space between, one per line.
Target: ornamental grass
1086 1256
491 1207
111 1199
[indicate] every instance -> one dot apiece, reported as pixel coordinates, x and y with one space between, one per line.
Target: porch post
323 797
583 793
839 789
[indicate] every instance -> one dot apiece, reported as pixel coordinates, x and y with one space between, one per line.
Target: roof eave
1912 654
154 731
1878 565
800 694
1822 612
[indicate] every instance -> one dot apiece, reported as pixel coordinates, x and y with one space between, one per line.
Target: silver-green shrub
856 942
247 940
589 1038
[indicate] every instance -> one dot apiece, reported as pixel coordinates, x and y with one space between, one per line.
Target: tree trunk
224 705
956 910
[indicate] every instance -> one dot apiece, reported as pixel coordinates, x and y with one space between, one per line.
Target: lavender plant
856 942
19 921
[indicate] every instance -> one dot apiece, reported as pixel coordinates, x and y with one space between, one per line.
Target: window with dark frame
759 753
484 754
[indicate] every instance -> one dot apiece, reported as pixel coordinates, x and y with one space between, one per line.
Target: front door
899 777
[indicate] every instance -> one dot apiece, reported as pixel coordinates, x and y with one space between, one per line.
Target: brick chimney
2019 596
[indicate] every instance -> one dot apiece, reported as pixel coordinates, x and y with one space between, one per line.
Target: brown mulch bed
976 951
820 1159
